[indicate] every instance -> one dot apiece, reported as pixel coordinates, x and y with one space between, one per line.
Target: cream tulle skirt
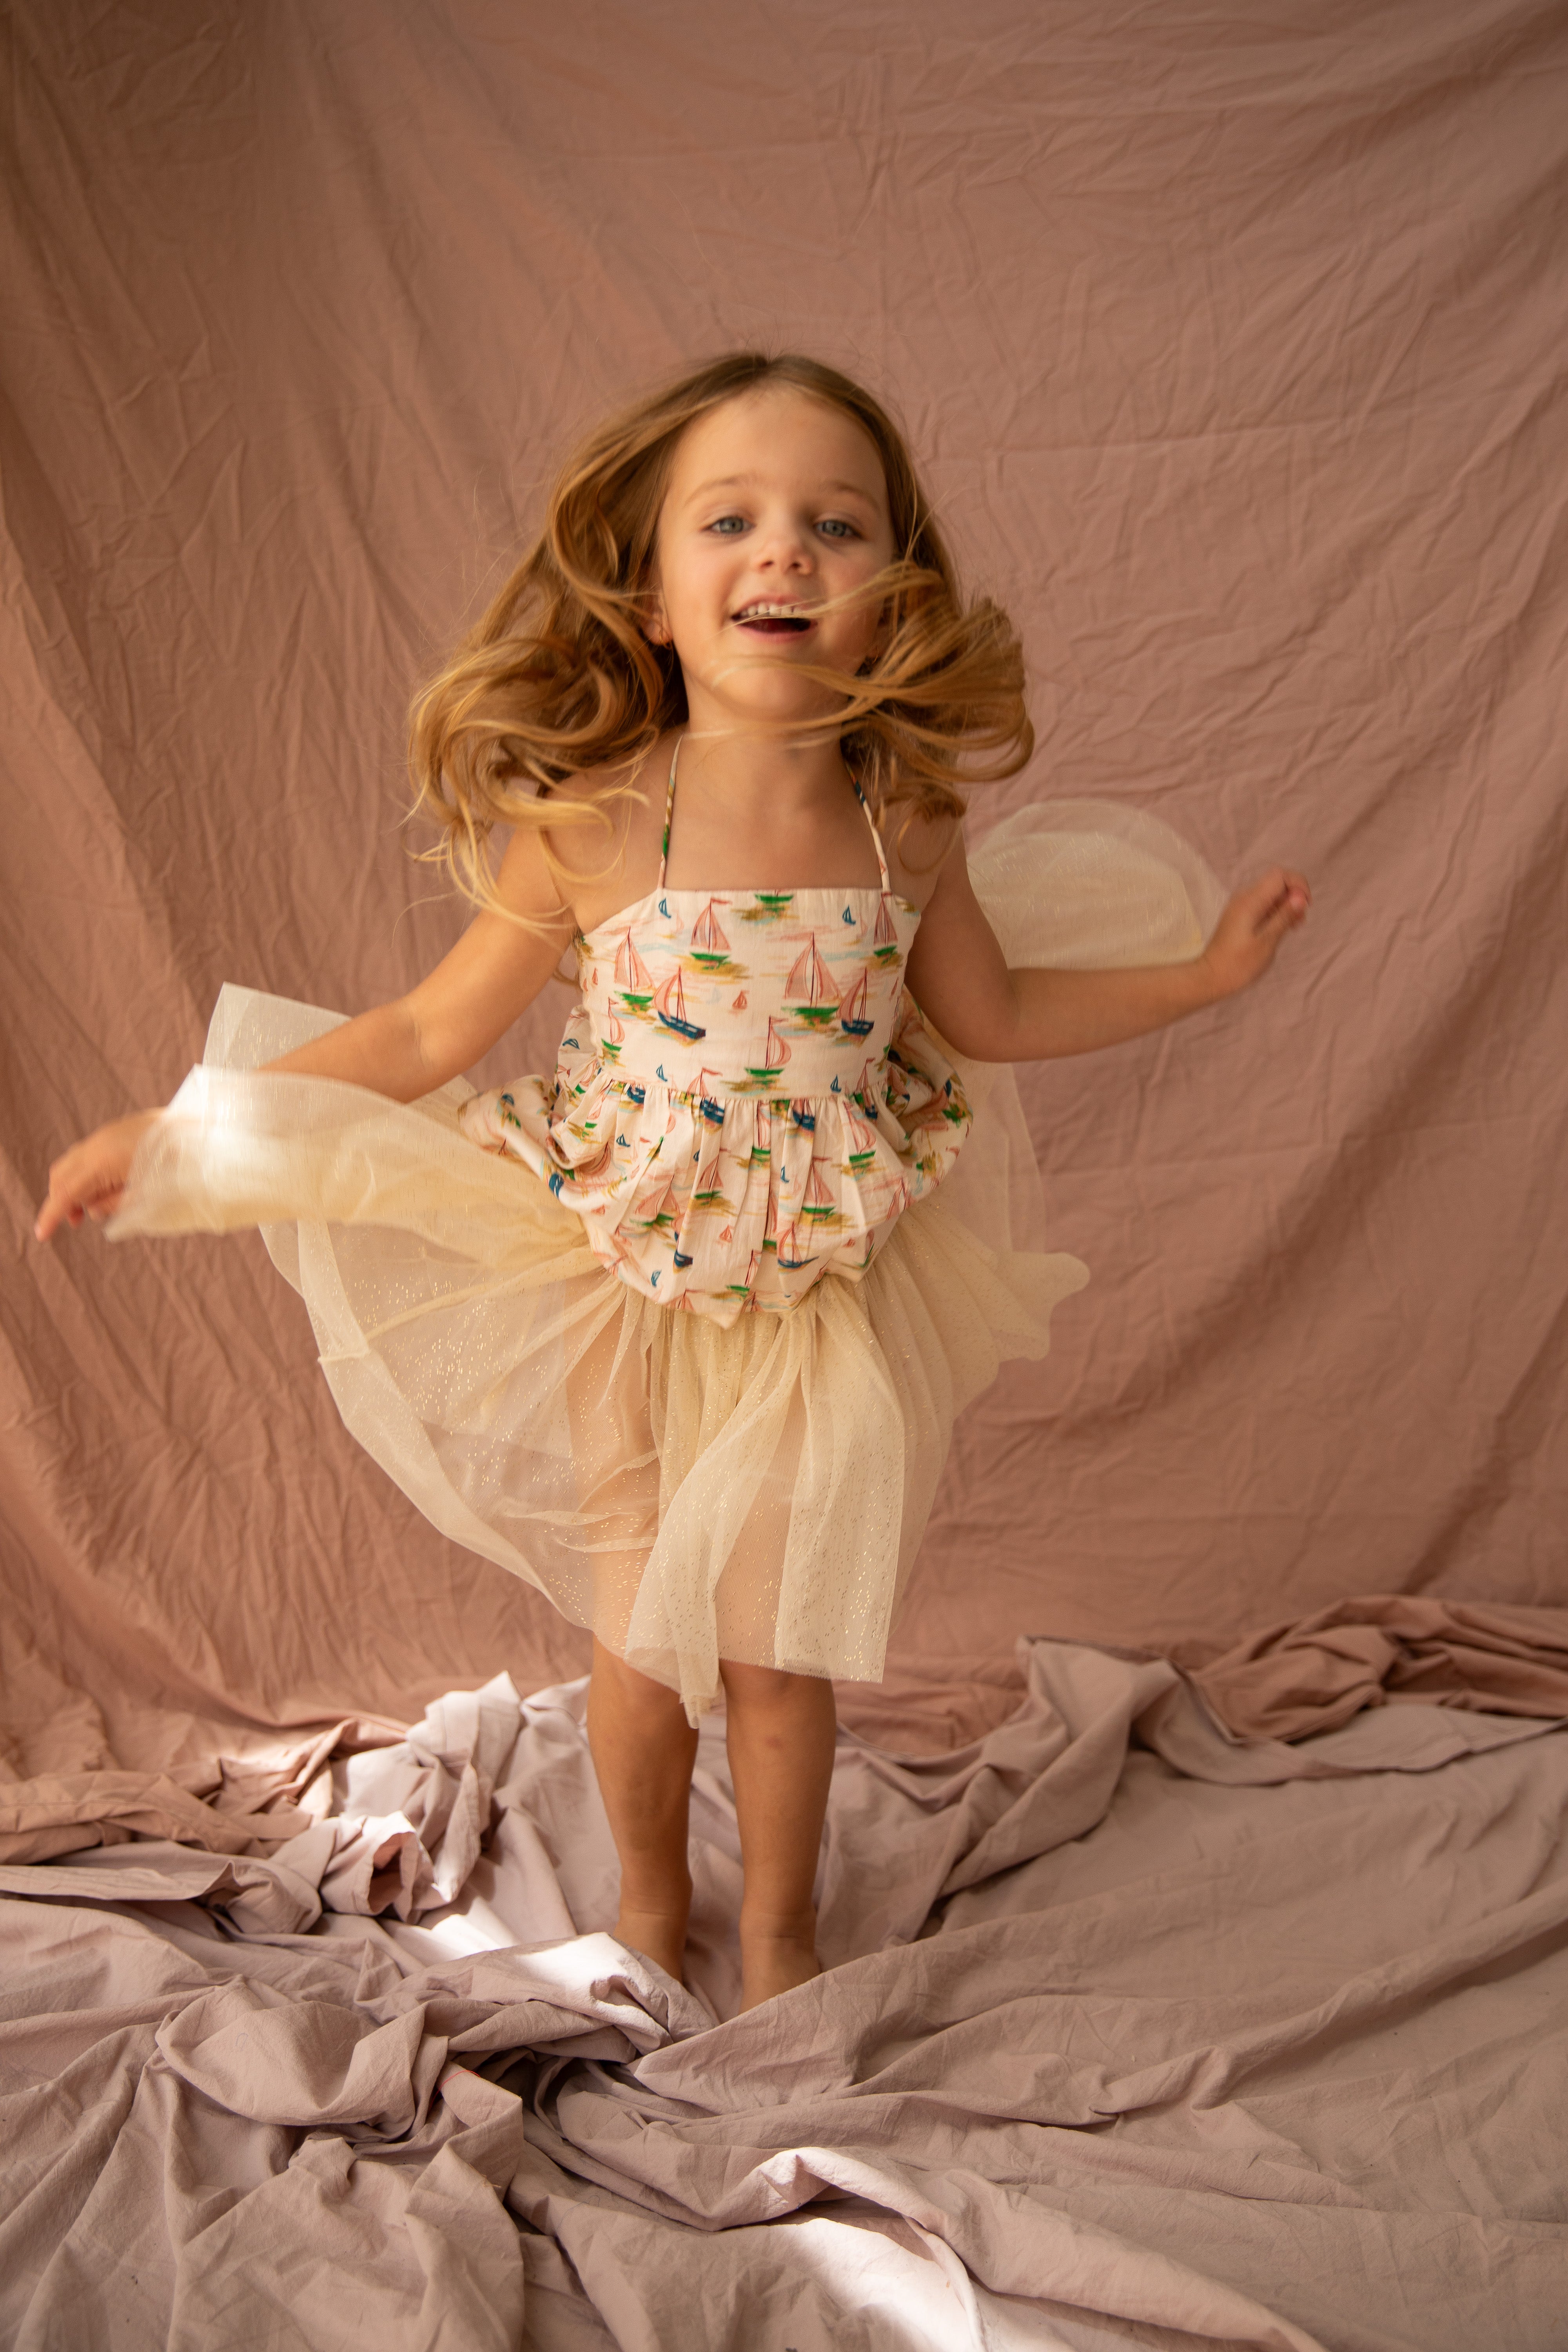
691 1491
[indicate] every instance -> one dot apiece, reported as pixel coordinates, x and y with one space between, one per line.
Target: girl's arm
960 979
453 1015
404 1049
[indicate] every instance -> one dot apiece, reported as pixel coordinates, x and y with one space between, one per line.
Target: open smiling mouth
763 620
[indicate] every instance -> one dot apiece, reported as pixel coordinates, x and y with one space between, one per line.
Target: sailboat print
712 1109
670 1004
861 1143
590 1171
633 982
819 1201
788 1251
775 1053
710 1193
852 1017
663 1218
810 992
743 1289
885 938
614 1038
709 945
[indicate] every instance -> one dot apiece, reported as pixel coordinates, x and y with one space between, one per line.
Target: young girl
678 1332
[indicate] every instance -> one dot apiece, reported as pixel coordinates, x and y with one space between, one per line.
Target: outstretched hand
89 1181
1247 937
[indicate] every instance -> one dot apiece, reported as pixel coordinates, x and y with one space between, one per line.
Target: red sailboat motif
775 1053
589 1172
885 938
811 992
852 1015
738 1002
819 1201
633 979
742 1289
709 944
670 1004
711 1189
712 1192
860 1142
614 1038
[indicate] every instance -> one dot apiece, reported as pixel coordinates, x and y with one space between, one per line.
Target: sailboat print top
746 1098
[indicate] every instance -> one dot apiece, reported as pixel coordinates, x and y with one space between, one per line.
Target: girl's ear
655 627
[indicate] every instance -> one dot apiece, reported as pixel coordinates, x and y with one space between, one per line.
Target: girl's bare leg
643 1750
780 1735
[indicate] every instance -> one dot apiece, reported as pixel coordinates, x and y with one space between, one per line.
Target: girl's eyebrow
746 481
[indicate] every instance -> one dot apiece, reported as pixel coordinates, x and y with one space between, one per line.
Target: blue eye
727 525
838 528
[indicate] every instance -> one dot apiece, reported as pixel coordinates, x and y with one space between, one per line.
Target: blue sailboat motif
669 1004
852 1015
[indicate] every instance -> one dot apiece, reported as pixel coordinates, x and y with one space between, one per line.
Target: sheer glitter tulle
688 1487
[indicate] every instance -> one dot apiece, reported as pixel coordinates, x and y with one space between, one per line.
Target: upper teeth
772 612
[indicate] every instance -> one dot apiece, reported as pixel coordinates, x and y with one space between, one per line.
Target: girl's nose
784 546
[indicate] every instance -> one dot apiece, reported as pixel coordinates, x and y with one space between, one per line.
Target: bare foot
772 1964
658 1936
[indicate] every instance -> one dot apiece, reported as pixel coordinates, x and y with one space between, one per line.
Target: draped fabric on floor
1134 2035
1229 338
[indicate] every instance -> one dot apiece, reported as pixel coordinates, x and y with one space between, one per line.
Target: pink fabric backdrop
1230 337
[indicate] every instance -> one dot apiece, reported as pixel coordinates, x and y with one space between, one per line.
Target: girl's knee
770 1688
630 1689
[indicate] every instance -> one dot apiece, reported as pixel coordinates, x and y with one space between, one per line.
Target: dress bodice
746 1098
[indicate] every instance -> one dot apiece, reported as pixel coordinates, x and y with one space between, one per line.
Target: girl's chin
769 693
768 713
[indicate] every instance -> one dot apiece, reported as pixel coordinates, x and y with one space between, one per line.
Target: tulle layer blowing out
692 1490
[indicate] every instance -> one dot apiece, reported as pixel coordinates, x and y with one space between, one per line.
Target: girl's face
776 505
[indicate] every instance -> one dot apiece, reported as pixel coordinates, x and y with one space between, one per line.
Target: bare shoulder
601 813
921 846
596 827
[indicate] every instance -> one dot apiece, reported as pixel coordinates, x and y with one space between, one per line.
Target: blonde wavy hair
558 678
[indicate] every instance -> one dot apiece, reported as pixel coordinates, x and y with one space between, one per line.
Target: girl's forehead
776 438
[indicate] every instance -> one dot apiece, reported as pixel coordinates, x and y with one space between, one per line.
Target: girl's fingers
1281 899
61 1208
1252 925
89 1181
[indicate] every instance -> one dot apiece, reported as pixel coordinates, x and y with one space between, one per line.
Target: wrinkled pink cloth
1289 1680
1133 2034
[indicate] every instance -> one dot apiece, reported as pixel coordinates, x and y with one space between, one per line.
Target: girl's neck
759 776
